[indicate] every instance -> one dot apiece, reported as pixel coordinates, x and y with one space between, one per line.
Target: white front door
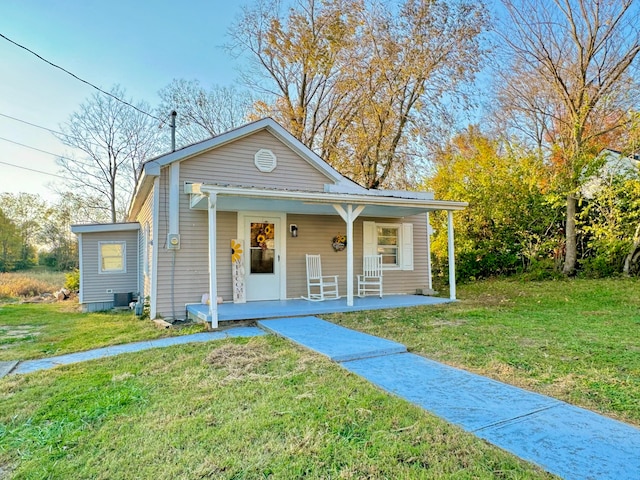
263 245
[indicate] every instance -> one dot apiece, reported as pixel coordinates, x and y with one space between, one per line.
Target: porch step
338 343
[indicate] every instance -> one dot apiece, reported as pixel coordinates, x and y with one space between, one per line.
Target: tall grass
29 284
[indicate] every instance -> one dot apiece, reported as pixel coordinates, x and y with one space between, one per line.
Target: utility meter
173 241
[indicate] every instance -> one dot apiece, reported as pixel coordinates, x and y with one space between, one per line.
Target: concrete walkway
29 366
567 441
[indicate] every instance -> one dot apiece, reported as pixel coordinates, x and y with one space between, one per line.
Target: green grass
232 409
262 408
29 331
575 340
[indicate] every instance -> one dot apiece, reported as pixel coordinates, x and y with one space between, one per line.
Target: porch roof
379 203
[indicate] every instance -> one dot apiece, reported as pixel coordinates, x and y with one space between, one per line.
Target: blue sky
141 45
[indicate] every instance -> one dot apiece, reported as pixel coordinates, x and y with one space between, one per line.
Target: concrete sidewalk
567 441
29 366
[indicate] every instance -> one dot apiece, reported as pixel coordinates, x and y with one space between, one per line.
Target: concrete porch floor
301 307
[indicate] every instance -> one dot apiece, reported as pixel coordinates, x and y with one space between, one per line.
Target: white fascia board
105 227
150 171
331 198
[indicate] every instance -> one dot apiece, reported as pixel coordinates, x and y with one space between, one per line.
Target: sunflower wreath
339 242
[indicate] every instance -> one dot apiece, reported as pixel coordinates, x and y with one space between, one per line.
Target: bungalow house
231 218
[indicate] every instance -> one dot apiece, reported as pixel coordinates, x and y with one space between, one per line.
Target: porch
301 307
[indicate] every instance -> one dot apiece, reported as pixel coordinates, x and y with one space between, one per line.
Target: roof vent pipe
173 130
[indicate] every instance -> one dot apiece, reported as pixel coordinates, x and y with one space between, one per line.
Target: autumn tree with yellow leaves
364 83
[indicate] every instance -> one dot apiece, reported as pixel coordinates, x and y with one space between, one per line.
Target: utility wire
32 169
37 149
34 125
81 79
55 132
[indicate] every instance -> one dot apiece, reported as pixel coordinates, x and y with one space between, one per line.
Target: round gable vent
265 160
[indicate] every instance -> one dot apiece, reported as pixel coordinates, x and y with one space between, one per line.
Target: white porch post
349 215
429 278
213 274
451 254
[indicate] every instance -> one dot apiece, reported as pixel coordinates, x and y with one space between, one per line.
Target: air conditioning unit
122 299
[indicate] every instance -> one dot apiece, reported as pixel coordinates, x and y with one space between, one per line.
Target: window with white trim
387 244
394 241
112 257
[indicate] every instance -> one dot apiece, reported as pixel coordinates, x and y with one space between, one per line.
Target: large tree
571 77
26 211
204 113
10 243
113 139
509 223
359 81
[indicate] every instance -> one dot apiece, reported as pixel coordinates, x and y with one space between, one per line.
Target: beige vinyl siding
315 233
191 270
234 164
95 284
145 216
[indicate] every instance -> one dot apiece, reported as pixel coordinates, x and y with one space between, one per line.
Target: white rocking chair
319 287
371 279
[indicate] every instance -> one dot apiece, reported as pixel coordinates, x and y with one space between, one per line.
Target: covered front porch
249 202
300 307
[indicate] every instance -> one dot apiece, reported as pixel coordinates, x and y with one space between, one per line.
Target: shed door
262 258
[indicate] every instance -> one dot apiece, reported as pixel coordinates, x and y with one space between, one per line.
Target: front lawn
231 409
263 408
575 340
29 331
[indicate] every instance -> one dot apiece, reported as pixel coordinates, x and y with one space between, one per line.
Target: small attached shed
109 264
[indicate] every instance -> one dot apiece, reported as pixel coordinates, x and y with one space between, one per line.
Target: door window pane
262 248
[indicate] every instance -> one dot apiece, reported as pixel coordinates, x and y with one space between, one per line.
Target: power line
32 170
37 149
34 125
55 132
81 79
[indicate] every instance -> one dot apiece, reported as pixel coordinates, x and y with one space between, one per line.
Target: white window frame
398 245
124 258
404 246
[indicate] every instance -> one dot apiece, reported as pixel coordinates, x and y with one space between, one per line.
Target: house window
394 241
112 257
387 243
